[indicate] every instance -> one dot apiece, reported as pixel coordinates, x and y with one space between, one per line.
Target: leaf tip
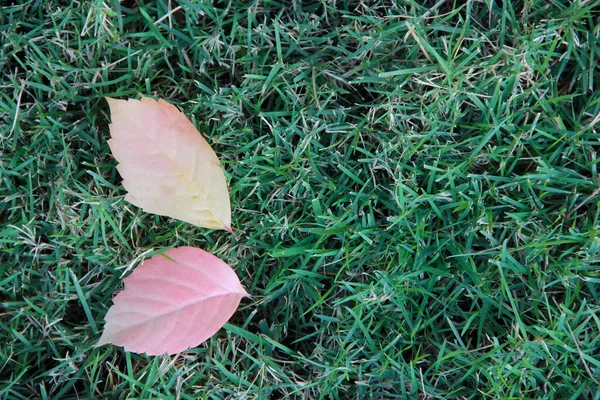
228 229
110 100
101 342
114 104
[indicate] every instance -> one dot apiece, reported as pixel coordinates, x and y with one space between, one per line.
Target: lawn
414 187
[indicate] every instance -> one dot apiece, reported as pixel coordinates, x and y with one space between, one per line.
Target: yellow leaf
168 168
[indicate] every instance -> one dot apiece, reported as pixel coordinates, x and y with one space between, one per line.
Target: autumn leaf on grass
168 168
173 301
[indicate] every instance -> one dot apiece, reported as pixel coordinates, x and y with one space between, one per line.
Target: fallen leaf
168 168
173 301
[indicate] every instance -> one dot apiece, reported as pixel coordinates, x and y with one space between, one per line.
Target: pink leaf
173 301
168 168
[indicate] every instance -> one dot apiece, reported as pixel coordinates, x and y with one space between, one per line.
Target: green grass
413 186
